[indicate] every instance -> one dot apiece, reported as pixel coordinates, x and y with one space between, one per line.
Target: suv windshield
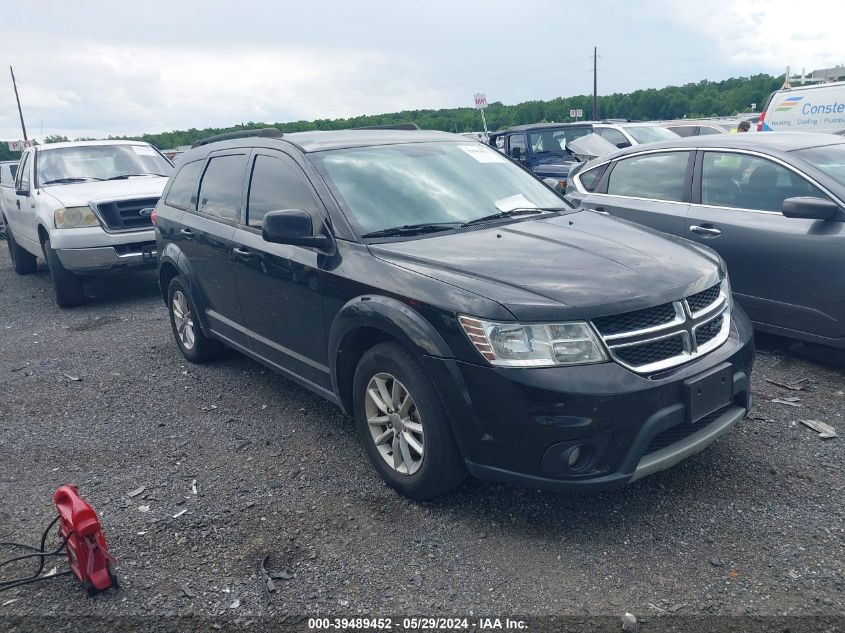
99 162
649 133
555 141
388 186
830 160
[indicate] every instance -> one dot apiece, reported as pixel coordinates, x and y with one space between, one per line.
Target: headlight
534 344
75 218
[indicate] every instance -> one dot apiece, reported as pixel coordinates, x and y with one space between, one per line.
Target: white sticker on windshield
483 154
144 150
517 201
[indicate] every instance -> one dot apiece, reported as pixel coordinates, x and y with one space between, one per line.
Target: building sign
480 101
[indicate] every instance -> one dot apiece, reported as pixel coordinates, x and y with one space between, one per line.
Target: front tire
23 262
194 345
403 424
68 286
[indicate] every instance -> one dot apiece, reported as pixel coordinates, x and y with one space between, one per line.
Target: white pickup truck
84 207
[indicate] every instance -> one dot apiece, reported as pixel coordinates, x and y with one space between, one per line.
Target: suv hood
81 194
575 266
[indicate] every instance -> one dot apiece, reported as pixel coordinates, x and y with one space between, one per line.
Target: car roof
772 141
319 141
87 143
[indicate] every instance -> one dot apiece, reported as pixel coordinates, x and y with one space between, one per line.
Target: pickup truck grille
125 215
670 334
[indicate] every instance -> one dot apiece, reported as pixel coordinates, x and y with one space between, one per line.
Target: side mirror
623 144
516 153
809 208
292 226
22 192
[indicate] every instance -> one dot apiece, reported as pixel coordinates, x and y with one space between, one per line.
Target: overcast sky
89 68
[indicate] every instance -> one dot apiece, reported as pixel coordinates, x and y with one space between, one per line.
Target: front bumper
109 258
517 424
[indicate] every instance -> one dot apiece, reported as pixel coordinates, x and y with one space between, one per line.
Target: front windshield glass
555 141
99 162
386 186
829 160
649 133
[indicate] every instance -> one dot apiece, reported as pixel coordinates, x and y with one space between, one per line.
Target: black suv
466 315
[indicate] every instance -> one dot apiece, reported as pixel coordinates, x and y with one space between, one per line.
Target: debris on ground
134 493
180 513
825 431
189 593
629 623
792 402
194 486
795 386
73 378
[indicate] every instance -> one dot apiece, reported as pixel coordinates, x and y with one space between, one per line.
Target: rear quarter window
590 178
183 191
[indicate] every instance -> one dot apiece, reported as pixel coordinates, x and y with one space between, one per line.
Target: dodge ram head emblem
146 212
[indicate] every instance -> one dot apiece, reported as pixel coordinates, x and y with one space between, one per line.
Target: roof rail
269 132
389 126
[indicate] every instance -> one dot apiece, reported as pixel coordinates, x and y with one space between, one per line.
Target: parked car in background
701 127
466 315
773 205
85 208
815 108
542 147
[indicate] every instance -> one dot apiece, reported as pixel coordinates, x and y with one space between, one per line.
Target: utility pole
18 99
595 87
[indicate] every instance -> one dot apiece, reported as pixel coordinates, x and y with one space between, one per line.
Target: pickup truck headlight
75 218
534 344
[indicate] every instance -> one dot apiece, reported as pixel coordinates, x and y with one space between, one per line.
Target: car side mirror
22 192
516 153
810 208
623 144
292 226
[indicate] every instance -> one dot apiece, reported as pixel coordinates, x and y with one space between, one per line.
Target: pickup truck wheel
403 424
24 262
194 345
68 286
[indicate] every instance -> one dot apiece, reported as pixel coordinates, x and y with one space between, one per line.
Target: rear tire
403 424
23 262
68 285
195 346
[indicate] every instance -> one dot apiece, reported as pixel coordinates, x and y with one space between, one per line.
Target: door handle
707 230
242 254
601 211
187 233
18 202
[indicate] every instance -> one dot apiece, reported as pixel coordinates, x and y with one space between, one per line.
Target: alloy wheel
395 424
183 319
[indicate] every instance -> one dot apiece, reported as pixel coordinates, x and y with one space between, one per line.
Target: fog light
574 456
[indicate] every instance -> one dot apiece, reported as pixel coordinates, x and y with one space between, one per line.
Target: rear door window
183 190
750 182
221 186
516 141
277 183
658 176
613 136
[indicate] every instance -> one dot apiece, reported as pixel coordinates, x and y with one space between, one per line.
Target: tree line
701 99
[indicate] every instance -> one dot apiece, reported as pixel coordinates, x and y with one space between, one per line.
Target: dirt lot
101 397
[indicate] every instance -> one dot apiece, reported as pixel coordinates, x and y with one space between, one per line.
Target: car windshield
649 133
830 160
555 141
388 186
99 162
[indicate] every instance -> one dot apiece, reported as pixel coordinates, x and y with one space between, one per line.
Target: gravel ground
100 396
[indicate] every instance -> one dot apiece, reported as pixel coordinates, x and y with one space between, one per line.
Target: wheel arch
367 321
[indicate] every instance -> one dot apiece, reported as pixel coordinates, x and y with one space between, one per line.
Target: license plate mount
708 392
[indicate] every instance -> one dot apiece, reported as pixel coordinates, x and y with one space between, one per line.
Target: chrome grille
670 334
637 320
125 215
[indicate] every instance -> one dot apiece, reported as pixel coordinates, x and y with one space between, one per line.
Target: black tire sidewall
23 262
68 285
442 468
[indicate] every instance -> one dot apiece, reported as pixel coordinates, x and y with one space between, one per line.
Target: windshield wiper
125 176
511 213
414 229
64 181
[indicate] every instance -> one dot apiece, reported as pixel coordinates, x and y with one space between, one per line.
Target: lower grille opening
680 431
